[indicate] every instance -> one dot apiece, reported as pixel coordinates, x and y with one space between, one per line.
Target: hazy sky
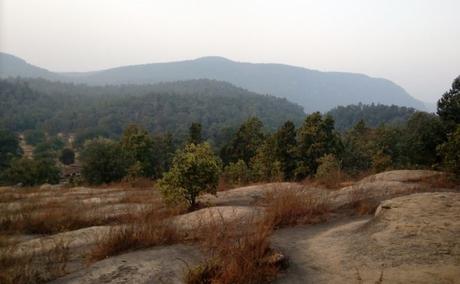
415 43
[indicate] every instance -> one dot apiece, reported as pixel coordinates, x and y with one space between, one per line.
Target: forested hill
314 90
165 107
373 115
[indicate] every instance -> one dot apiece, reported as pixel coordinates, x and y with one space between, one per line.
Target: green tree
423 133
34 137
102 161
450 152
357 149
195 170
328 172
67 156
237 173
32 172
449 106
245 142
264 166
9 148
137 147
316 138
194 134
284 148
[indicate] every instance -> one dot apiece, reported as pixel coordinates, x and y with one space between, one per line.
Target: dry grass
148 229
29 268
360 204
294 206
238 252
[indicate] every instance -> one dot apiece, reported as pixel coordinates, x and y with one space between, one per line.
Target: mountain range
313 90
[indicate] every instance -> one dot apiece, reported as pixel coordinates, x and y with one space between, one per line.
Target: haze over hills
314 90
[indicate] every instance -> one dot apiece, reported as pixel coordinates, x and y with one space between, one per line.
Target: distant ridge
314 90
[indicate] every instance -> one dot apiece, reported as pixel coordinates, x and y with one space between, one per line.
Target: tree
316 138
245 142
423 133
67 156
9 148
32 172
195 170
137 147
102 161
237 173
328 172
264 166
449 106
194 135
284 148
450 152
358 147
34 137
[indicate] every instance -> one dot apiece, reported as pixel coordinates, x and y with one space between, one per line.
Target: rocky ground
411 238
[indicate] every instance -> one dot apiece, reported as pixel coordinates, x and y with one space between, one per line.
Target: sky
415 43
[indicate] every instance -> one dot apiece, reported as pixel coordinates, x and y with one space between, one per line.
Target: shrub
32 172
67 156
102 161
195 170
328 172
236 173
381 161
450 152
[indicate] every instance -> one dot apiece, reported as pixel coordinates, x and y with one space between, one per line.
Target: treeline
251 153
373 115
167 107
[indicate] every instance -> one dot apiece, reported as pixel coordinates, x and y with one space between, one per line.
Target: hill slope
314 90
167 107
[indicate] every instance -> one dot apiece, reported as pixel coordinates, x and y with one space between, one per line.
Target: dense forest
165 107
373 115
252 152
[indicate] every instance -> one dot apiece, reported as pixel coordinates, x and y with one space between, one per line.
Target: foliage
316 137
449 106
381 162
450 152
423 133
195 170
34 137
237 173
138 148
358 148
9 148
328 170
373 115
284 149
194 135
67 156
31 172
102 161
264 166
245 142
90 112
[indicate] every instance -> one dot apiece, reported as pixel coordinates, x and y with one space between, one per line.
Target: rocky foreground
412 236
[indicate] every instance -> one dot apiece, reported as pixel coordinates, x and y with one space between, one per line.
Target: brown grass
238 252
30 268
294 206
149 229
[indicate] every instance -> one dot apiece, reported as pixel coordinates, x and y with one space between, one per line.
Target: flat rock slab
166 264
412 239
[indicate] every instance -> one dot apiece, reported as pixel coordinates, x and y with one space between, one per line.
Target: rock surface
157 265
411 239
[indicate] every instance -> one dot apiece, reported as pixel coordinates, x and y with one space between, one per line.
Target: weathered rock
157 265
412 239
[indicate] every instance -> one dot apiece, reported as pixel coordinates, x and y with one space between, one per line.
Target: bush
67 156
32 172
328 172
236 173
450 152
102 161
195 170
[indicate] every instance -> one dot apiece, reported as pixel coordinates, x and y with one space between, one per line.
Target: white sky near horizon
415 43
